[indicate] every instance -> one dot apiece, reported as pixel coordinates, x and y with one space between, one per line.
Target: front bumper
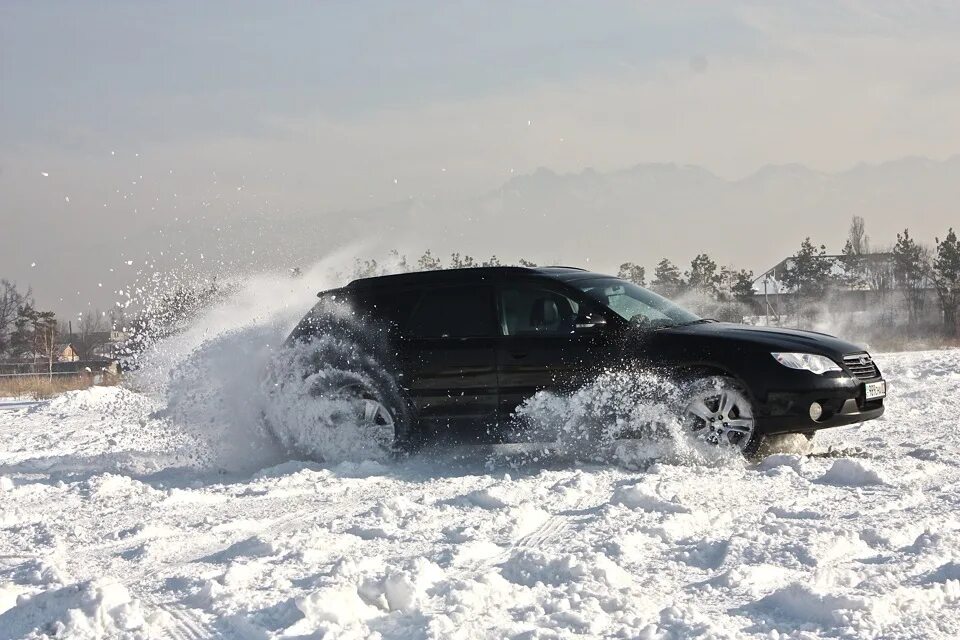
843 404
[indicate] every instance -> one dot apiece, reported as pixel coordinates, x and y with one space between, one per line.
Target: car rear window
454 312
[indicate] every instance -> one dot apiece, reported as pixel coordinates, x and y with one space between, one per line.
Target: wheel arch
694 371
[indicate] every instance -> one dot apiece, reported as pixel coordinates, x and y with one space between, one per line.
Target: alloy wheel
721 415
373 418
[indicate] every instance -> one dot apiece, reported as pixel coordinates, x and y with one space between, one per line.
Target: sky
120 117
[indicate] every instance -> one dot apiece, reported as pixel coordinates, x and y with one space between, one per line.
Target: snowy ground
108 530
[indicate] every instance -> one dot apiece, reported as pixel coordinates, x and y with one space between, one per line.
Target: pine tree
809 273
946 278
461 262
667 279
741 285
22 339
910 269
703 276
429 263
633 273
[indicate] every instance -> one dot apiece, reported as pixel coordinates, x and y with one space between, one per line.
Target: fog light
816 411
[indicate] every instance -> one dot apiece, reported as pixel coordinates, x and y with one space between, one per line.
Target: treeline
28 334
704 275
912 285
896 284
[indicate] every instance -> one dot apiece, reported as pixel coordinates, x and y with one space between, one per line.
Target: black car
453 353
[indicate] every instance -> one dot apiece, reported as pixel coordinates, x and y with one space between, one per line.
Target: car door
448 354
542 347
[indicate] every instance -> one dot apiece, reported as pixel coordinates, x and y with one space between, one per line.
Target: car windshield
636 304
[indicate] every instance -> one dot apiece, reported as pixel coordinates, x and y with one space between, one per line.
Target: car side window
391 307
454 312
529 309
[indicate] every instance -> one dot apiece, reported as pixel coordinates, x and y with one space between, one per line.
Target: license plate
876 390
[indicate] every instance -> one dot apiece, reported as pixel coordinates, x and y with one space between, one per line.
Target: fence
43 368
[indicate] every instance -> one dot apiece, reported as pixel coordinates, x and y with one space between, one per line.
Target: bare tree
92 332
11 299
854 256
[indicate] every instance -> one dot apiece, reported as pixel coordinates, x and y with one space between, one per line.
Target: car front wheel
719 411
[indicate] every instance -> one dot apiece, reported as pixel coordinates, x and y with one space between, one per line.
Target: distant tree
91 330
910 270
399 262
879 272
740 284
809 272
22 339
429 263
853 257
704 276
526 263
464 262
667 279
493 261
633 273
45 338
117 318
11 299
366 268
946 277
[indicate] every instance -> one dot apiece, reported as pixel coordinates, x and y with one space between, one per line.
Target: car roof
470 274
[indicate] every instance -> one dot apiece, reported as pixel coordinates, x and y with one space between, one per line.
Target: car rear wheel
373 416
720 412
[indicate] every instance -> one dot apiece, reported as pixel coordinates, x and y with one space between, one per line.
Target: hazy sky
142 112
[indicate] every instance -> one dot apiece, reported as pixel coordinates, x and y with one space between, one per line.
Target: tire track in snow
184 623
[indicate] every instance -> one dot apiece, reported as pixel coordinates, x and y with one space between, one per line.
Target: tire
720 411
376 412
316 386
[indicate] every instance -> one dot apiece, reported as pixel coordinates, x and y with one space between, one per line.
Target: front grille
860 365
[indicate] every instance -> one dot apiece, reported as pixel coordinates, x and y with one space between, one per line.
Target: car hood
787 340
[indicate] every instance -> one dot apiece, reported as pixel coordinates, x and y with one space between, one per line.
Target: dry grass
42 386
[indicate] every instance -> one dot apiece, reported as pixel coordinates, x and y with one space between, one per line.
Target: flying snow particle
129 262
66 198
45 174
33 264
394 181
113 153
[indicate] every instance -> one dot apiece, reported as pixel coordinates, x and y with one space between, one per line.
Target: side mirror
590 321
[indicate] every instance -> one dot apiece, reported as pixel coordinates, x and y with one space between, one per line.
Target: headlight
807 362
